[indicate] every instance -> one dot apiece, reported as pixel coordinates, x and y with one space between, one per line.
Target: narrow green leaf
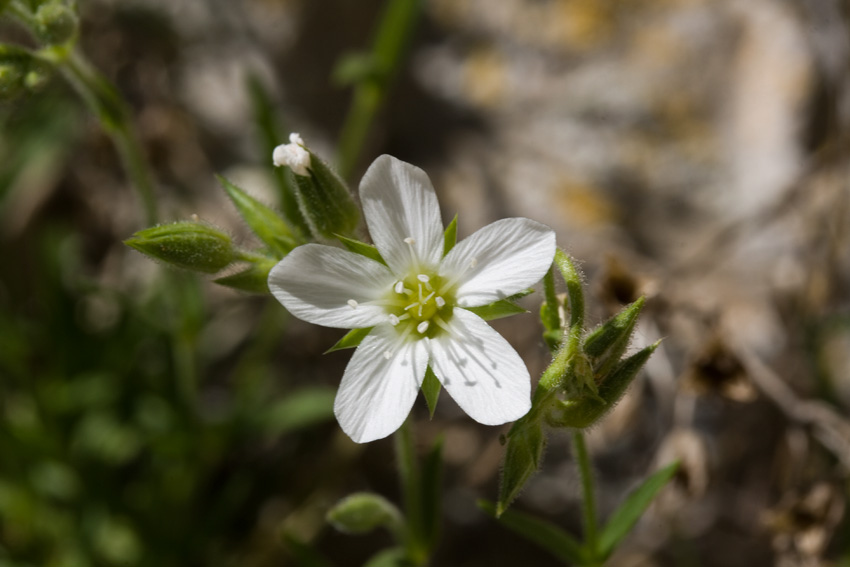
301 409
450 236
545 534
523 456
497 310
432 479
626 516
361 248
431 390
393 557
254 279
269 227
362 512
352 339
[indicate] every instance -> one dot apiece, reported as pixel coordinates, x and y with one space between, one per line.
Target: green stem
105 102
408 470
394 32
588 495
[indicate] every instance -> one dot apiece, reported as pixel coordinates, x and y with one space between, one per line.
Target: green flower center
421 305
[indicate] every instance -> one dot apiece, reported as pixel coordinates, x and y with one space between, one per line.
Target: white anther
422 327
473 262
388 354
393 320
440 301
353 304
410 240
423 278
398 287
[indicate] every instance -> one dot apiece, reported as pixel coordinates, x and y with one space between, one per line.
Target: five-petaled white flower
416 304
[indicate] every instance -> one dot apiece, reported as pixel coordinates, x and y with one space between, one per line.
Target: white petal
501 259
316 283
377 392
399 203
481 371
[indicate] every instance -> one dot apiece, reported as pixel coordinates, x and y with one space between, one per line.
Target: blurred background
694 151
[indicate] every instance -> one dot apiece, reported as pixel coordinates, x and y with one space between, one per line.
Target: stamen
394 320
423 278
473 262
440 301
422 327
352 303
420 310
411 306
410 240
398 287
420 293
442 324
388 354
414 259
405 316
427 299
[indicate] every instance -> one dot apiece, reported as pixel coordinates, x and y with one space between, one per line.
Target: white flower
416 304
293 155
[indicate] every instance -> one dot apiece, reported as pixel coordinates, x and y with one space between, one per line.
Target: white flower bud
293 155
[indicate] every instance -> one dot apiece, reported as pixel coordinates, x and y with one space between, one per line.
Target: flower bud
362 512
189 245
324 199
523 457
56 23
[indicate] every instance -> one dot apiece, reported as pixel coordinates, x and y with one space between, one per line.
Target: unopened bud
188 245
362 512
56 23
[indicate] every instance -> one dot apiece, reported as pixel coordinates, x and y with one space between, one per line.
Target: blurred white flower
294 155
416 304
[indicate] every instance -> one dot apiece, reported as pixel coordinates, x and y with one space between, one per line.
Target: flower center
420 305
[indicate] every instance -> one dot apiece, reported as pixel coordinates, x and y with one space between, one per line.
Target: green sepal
325 201
450 237
586 410
545 534
15 65
629 512
269 227
606 344
523 457
361 248
254 279
497 310
431 390
189 245
352 339
362 512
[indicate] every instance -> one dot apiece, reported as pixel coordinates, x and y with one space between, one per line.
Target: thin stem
393 34
105 102
588 493
408 471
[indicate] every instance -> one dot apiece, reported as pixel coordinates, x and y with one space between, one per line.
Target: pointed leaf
361 248
626 516
431 390
545 534
352 339
269 227
523 457
450 236
497 310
